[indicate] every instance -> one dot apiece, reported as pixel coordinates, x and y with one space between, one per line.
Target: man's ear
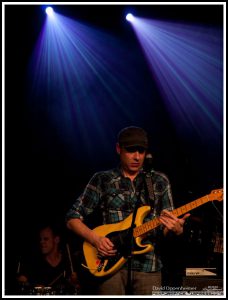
117 148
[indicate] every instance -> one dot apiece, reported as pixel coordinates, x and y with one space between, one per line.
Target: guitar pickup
99 268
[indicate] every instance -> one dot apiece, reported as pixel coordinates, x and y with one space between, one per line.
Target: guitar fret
187 207
144 228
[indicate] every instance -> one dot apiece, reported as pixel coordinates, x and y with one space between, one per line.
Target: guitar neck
148 226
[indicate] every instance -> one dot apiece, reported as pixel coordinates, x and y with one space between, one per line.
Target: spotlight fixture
129 17
49 11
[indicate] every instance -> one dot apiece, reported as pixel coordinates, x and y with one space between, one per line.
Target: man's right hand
105 247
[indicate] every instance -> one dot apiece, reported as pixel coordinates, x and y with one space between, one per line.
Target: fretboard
150 225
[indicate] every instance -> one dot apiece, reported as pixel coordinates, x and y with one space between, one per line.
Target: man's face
132 158
48 242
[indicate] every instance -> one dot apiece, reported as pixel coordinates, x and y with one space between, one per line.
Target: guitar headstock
216 195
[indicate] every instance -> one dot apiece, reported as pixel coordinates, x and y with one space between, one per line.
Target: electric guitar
120 234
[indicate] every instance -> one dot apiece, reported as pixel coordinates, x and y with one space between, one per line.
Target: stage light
75 79
49 11
129 17
186 61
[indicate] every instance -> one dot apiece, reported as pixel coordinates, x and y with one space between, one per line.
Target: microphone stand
130 246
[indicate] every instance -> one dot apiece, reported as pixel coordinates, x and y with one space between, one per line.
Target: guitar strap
150 189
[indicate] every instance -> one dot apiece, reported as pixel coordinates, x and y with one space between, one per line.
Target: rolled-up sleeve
86 202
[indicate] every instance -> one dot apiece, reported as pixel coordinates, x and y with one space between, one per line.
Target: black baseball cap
133 137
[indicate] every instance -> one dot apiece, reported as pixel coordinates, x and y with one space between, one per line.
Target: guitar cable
221 216
88 267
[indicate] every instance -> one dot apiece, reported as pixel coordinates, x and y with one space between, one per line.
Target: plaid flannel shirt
115 197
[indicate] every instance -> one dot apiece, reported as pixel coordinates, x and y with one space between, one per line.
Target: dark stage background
43 174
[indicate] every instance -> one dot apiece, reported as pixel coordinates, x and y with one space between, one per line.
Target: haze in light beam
83 80
187 63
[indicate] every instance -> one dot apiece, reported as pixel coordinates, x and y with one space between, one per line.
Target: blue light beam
80 82
187 63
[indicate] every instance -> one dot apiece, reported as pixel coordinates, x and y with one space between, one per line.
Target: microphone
148 162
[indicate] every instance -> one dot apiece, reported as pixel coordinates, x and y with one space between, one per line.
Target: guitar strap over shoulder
150 189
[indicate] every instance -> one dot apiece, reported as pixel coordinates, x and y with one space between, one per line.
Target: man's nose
136 155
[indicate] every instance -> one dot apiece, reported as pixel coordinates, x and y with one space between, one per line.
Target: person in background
52 270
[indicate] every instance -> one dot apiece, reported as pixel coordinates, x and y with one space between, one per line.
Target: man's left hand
172 223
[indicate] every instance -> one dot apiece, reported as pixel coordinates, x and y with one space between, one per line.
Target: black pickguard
122 241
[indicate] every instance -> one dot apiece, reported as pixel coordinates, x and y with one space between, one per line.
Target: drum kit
63 288
40 290
46 290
